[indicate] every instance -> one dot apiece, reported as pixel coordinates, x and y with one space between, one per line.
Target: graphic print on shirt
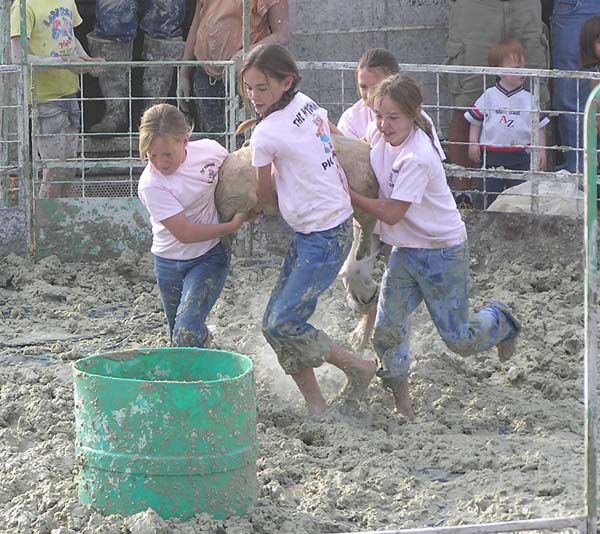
60 22
210 171
322 134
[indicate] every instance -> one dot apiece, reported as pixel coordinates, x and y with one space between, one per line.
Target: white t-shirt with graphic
413 172
312 190
191 190
505 118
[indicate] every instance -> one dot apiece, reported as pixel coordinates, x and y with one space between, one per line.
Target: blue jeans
567 18
440 277
188 291
311 265
117 20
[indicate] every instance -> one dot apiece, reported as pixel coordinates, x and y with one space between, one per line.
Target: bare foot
316 407
506 349
402 401
358 378
309 387
361 335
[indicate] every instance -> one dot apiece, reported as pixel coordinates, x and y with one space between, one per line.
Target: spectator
474 27
116 28
216 34
568 17
501 122
589 50
50 41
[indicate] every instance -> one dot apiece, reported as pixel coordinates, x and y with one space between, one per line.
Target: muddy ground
491 441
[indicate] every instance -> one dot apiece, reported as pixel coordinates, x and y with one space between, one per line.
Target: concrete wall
341 30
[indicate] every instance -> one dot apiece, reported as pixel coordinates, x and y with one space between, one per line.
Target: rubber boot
114 83
157 80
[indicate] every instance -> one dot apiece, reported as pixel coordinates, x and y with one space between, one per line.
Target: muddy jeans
117 20
55 138
188 291
440 277
311 265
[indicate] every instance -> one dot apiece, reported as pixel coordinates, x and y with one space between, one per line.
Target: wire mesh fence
107 163
12 142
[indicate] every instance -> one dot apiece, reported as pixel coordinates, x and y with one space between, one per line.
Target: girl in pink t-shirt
373 67
293 135
430 258
177 188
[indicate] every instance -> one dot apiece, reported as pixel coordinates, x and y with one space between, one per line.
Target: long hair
161 120
589 34
274 61
406 94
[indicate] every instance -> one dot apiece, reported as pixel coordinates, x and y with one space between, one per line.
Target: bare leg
309 387
359 372
402 401
361 335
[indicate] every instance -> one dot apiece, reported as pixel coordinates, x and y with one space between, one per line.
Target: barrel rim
147 350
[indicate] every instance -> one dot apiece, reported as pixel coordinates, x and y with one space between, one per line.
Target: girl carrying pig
177 187
293 134
430 257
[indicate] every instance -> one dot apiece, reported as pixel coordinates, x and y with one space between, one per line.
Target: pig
236 190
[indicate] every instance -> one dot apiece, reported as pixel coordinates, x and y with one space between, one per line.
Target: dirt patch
491 441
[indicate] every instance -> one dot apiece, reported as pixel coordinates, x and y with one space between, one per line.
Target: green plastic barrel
173 429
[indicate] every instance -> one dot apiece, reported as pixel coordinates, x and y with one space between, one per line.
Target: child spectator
51 41
294 136
430 256
177 187
501 121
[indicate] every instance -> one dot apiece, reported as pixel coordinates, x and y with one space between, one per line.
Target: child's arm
80 56
267 196
542 149
334 129
474 148
388 210
187 232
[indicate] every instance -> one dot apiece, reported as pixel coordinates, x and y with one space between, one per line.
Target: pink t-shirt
413 172
312 190
191 190
355 120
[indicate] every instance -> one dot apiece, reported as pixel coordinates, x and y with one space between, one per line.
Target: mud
491 441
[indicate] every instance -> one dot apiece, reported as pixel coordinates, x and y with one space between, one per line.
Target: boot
114 83
157 80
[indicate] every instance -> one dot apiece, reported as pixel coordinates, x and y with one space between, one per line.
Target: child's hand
542 159
239 219
475 153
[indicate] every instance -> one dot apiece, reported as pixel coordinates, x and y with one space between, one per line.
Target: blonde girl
177 188
294 135
430 258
